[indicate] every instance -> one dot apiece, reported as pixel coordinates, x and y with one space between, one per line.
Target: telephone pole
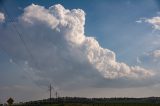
50 91
56 94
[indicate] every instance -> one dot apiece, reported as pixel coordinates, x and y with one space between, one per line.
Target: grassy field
118 104
77 101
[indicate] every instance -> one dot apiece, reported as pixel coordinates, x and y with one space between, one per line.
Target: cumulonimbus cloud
60 49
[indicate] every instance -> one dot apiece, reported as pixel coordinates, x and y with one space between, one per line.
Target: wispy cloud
155 22
151 58
2 17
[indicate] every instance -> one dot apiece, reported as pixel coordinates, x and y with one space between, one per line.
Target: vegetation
109 104
75 101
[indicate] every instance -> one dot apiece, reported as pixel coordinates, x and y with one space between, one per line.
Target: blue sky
111 23
116 22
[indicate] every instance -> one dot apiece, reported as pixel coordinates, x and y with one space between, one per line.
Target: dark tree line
76 101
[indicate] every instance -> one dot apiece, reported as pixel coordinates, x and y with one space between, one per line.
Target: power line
20 36
27 49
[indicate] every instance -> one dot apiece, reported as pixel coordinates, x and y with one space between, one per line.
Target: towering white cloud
2 17
61 51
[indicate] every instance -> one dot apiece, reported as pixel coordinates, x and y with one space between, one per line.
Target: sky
98 48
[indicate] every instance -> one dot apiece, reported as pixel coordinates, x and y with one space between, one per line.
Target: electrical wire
20 35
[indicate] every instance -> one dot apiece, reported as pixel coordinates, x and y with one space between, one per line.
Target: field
76 101
118 104
109 104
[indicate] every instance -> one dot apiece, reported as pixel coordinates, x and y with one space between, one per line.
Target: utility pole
56 94
50 91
